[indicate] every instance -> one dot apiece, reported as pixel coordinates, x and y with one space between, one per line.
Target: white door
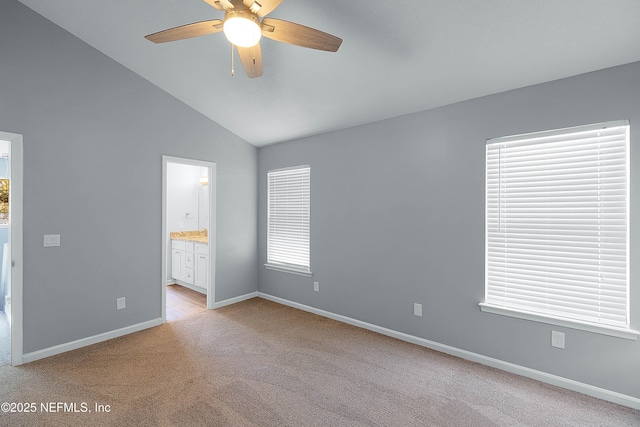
177 264
202 269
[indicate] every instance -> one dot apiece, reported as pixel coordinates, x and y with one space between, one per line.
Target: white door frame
211 227
15 242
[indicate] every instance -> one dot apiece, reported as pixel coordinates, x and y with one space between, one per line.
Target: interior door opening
5 256
10 249
188 237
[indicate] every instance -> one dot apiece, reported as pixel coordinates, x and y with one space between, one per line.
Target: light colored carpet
258 363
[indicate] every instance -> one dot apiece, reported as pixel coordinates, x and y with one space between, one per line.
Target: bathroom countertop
200 236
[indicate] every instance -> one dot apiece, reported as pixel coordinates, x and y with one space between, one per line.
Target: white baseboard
235 300
600 393
61 348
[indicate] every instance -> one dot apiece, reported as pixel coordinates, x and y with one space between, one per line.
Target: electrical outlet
557 339
121 303
417 309
51 240
316 286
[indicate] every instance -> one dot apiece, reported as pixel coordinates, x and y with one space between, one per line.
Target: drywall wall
183 188
397 217
94 135
203 200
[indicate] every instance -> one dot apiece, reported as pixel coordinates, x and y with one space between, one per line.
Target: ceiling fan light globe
242 31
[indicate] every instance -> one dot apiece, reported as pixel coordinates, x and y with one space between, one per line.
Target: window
288 209
557 226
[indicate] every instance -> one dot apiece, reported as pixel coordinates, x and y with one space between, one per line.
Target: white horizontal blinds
288 218
556 215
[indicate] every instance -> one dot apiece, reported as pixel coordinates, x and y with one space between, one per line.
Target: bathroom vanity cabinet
190 264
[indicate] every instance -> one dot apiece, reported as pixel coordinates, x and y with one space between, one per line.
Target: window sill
292 270
629 334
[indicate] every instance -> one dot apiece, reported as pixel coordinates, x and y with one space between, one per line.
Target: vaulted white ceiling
397 57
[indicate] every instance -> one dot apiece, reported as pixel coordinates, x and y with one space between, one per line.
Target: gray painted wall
397 217
94 136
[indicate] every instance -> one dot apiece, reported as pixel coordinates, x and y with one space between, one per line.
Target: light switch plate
121 303
51 240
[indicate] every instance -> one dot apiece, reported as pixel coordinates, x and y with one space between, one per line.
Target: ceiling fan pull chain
233 73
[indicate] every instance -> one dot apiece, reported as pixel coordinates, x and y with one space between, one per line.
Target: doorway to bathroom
188 236
10 249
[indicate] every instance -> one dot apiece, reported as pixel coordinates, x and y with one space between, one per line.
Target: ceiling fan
243 28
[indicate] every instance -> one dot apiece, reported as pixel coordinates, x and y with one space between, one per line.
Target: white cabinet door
188 259
202 270
190 263
177 264
188 275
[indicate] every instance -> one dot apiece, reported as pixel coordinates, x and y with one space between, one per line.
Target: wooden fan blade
262 7
251 58
299 35
220 4
186 31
